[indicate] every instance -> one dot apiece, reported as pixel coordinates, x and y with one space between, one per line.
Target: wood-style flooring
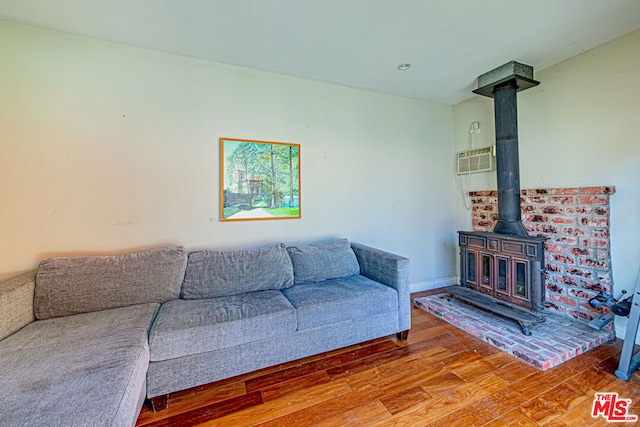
440 377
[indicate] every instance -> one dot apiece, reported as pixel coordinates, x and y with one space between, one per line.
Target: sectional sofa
85 340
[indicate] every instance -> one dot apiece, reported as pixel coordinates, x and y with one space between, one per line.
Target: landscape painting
259 180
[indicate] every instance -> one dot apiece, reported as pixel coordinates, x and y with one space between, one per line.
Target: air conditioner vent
477 160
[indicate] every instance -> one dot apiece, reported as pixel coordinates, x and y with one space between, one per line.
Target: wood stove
508 268
503 271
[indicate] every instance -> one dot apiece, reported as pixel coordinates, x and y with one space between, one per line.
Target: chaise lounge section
74 350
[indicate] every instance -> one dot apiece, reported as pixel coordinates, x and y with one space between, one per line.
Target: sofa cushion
87 369
186 327
16 303
219 273
338 300
323 261
66 286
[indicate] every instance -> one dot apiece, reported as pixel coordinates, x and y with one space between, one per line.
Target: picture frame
259 180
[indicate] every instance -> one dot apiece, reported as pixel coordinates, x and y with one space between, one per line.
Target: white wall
106 148
579 127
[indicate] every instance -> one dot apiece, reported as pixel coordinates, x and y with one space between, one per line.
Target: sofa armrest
16 303
391 270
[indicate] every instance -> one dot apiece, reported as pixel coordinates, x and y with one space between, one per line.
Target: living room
109 148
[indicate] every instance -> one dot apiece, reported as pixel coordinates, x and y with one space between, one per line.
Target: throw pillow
329 260
220 273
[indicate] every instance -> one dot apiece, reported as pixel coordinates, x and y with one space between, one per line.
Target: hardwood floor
440 377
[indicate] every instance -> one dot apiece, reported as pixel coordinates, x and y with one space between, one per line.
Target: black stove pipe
507 159
502 84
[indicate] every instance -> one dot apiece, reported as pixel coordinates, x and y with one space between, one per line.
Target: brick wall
575 222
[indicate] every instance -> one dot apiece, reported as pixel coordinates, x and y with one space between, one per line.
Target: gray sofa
83 341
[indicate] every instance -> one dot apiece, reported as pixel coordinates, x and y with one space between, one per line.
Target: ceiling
355 43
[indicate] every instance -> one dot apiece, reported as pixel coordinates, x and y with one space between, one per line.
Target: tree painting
259 180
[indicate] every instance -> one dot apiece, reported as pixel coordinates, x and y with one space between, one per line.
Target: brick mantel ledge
552 191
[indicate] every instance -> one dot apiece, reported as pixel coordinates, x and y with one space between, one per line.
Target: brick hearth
577 253
553 342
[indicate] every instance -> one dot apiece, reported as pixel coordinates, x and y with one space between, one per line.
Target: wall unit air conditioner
476 160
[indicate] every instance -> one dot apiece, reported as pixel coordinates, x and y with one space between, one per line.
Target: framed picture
259 180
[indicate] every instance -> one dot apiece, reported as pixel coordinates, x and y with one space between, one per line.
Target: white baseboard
428 285
621 332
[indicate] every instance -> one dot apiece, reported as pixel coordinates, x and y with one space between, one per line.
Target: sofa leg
159 403
402 336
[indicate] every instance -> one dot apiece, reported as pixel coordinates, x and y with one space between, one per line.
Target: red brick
570 302
604 277
558 249
582 209
581 252
552 287
601 233
546 228
579 272
568 281
580 315
562 220
587 307
482 226
552 267
536 199
551 306
582 294
565 240
483 193
551 209
601 211
563 200
594 243
593 263
539 191
538 218
598 190
563 259
573 231
594 222
564 191
593 200
593 286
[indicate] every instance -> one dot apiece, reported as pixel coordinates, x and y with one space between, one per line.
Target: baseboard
428 285
621 332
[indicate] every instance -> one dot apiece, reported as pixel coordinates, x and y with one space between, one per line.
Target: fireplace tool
628 361
617 306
